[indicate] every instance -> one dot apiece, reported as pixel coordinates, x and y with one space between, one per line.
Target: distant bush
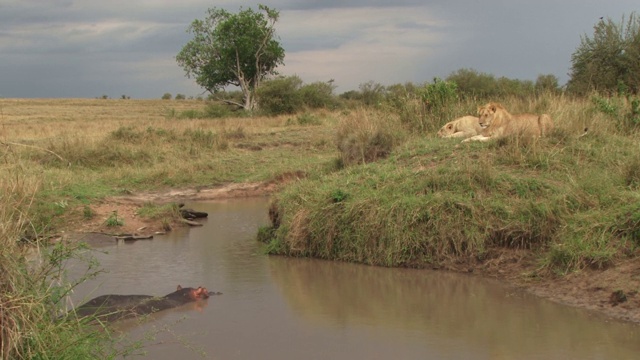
166 96
372 93
212 110
318 95
217 110
547 84
486 87
609 61
280 96
425 108
472 84
305 119
191 114
180 97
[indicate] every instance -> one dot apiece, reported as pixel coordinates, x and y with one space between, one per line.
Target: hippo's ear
179 288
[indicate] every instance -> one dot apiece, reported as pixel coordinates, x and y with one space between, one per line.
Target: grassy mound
571 199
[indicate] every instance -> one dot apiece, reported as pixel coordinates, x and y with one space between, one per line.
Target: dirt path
612 292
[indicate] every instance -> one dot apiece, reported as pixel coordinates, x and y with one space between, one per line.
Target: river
288 308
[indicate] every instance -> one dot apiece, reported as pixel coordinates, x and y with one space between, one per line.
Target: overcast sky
90 48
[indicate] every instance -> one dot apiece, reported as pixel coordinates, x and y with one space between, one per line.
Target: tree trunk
248 93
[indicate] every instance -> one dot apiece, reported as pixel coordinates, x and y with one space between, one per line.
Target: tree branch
35 147
231 102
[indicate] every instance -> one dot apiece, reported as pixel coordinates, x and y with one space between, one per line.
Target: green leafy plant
87 212
308 119
113 220
605 106
338 195
609 60
632 118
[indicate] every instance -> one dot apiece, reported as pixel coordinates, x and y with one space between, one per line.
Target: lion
465 127
498 122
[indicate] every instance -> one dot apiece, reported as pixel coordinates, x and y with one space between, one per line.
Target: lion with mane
465 127
498 122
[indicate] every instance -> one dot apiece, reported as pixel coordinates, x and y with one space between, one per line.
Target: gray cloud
65 48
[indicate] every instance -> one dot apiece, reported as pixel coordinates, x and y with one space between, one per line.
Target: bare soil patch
127 207
612 292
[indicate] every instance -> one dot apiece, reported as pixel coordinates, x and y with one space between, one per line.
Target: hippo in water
115 307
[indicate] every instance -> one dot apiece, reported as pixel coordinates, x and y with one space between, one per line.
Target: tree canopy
610 60
233 49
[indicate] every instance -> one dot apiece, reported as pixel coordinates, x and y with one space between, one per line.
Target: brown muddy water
288 308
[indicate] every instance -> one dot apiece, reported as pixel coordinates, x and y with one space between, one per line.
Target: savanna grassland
63 160
559 215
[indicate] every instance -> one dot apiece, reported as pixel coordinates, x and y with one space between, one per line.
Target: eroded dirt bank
127 206
612 292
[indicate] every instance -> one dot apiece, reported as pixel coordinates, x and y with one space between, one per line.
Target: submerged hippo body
114 307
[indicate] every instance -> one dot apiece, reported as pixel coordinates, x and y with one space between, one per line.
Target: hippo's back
110 304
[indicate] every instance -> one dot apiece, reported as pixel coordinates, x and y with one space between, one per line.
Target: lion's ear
494 107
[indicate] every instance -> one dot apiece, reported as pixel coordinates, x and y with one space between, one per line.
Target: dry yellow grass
81 150
37 119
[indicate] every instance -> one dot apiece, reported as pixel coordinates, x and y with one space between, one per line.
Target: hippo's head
189 294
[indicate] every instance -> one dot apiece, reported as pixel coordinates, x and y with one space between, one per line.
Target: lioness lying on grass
498 122
465 127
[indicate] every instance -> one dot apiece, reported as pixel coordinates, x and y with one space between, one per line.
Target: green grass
433 202
155 211
32 293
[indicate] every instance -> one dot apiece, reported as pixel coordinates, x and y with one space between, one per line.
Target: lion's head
447 130
465 126
491 113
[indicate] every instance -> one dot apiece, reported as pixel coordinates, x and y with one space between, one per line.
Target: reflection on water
284 308
446 309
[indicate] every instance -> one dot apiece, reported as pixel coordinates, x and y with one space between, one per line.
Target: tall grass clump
32 290
364 136
427 108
